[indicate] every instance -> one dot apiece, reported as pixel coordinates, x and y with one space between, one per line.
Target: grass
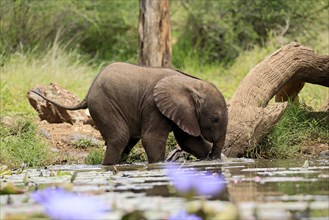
298 128
85 143
22 71
20 143
95 156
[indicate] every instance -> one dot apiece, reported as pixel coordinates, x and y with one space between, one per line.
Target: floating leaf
74 175
230 212
26 178
306 164
10 188
5 172
63 173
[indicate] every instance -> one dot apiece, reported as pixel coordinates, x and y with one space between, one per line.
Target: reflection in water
277 178
261 181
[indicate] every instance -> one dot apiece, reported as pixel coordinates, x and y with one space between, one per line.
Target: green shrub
20 143
95 157
137 154
103 29
85 143
220 30
171 143
210 31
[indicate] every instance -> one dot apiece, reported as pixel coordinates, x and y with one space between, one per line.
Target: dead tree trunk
284 72
154 33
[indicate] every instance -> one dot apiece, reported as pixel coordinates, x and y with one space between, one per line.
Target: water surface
278 189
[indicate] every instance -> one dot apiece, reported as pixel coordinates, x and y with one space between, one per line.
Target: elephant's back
128 89
130 78
134 72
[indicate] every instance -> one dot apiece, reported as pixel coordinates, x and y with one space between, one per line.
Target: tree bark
154 33
284 73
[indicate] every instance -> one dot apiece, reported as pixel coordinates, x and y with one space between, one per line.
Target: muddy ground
63 139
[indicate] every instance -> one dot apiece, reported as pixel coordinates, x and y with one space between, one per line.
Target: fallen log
283 73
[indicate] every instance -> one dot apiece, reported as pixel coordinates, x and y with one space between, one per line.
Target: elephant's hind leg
117 138
114 148
116 134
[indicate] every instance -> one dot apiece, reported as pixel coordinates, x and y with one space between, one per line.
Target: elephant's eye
214 119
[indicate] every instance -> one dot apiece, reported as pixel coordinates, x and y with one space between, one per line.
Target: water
285 189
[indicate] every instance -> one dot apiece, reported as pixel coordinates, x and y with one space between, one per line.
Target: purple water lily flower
183 215
187 180
182 179
210 184
61 205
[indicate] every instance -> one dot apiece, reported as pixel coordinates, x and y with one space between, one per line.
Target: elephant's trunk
217 149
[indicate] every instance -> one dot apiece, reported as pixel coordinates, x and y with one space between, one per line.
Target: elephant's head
195 106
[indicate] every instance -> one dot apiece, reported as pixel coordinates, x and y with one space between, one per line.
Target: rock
177 155
10 123
52 113
54 149
44 133
324 153
325 108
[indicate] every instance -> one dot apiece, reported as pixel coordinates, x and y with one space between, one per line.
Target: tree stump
283 73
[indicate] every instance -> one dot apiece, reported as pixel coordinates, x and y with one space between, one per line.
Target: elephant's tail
81 105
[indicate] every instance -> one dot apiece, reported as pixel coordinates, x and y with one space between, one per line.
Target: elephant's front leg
196 146
154 137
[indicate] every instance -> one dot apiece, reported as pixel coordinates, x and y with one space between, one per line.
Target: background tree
154 33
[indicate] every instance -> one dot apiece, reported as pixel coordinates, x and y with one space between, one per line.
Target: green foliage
171 143
103 29
298 126
85 143
137 154
220 30
95 156
20 143
210 31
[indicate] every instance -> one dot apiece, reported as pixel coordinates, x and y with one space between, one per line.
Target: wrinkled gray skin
129 103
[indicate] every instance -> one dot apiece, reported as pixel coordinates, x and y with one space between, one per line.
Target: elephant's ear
174 98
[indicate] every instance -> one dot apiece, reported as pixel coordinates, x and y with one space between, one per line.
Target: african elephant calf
129 102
